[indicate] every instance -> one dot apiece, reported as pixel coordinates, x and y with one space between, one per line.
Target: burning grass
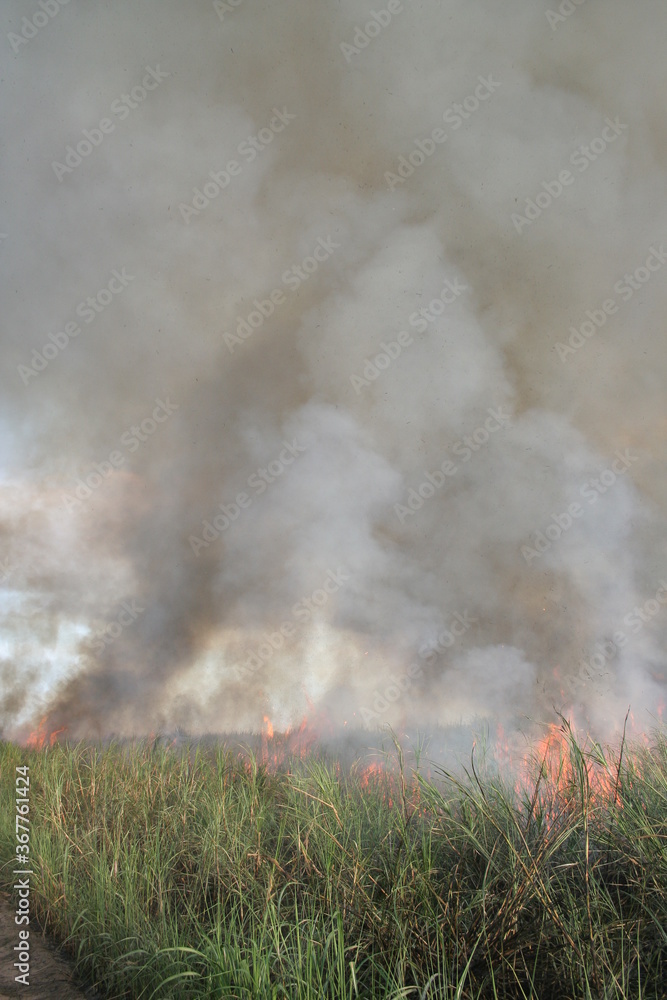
196 873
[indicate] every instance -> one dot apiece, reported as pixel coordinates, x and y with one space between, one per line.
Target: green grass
198 874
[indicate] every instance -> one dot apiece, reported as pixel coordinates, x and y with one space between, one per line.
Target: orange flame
557 772
41 737
37 737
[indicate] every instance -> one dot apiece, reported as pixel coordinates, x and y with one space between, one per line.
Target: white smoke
295 294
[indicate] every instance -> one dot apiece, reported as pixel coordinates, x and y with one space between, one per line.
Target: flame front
41 737
561 770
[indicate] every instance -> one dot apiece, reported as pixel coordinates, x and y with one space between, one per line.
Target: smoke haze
257 480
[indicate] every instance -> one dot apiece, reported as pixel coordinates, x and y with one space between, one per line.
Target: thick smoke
363 419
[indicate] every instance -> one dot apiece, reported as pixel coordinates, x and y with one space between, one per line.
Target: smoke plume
334 363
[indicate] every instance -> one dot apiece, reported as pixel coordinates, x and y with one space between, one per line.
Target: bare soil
51 976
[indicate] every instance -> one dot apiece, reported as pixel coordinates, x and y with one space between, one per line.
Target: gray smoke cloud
334 364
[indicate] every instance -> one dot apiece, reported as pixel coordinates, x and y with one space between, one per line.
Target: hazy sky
333 362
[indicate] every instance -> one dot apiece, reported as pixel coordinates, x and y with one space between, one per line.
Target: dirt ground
50 975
